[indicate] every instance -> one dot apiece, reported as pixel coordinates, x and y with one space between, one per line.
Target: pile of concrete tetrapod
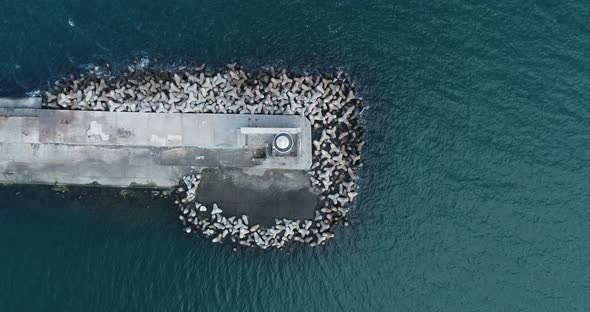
327 100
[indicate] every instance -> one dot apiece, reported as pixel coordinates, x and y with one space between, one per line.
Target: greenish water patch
261 195
59 188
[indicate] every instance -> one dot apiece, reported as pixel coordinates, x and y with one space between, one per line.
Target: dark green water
476 187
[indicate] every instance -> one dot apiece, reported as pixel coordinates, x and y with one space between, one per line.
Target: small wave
99 70
143 62
71 22
34 93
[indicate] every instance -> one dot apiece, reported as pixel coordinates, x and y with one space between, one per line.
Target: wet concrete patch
262 195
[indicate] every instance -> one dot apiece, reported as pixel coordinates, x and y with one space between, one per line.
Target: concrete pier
122 149
24 102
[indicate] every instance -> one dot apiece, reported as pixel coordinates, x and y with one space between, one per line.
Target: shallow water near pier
262 195
476 181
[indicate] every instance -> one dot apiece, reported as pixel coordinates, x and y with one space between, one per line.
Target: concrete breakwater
126 149
328 101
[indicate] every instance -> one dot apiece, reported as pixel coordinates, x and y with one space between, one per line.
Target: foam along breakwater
328 101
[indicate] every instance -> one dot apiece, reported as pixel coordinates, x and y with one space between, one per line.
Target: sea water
475 191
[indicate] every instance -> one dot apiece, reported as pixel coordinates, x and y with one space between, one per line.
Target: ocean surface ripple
475 190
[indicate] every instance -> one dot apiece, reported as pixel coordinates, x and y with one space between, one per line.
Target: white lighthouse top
282 142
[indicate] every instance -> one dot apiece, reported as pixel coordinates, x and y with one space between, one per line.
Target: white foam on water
34 93
99 70
143 62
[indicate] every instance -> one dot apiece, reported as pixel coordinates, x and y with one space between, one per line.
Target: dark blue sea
475 191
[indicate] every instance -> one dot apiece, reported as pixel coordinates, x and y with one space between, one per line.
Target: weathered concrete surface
24 102
124 149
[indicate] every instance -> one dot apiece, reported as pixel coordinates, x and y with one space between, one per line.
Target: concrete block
22 102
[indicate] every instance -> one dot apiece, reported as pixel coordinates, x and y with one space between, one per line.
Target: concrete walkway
39 146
